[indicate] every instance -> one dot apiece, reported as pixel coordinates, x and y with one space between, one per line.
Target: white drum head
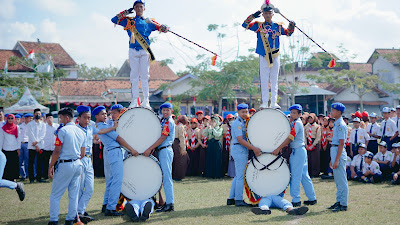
267 129
267 182
142 177
140 127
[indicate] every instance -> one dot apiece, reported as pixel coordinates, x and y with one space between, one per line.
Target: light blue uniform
275 201
5 183
339 174
87 177
138 206
240 157
299 165
166 155
67 174
113 164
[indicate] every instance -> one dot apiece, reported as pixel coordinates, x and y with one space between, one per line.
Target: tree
96 73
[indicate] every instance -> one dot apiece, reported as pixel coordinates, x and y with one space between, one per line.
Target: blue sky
84 29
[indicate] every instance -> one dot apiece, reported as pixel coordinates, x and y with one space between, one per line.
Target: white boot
264 105
133 104
145 103
275 105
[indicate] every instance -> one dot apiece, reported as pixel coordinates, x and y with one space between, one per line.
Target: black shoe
240 203
104 208
42 181
85 219
259 211
31 181
146 212
21 191
166 208
339 208
131 212
113 213
299 211
22 179
334 205
69 222
310 202
53 223
296 204
230 201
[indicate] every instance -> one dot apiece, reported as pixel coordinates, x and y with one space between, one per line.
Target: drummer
166 154
277 201
239 151
298 160
112 145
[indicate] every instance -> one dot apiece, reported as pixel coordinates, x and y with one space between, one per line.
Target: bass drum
139 127
267 129
142 177
267 180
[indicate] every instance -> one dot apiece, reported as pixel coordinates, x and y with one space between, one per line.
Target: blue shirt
339 131
274 31
168 127
71 139
238 129
297 134
109 139
142 27
89 131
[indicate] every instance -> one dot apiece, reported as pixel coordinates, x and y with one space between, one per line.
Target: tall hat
267 6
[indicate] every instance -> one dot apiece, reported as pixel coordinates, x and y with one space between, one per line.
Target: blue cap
117 106
338 106
6 115
166 105
242 106
20 115
296 106
97 110
28 115
17 116
82 108
138 1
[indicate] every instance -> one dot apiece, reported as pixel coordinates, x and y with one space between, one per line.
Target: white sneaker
275 106
264 105
145 103
133 104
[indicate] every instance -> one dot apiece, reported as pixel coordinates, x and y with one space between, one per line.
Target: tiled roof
59 55
361 67
157 71
392 55
5 55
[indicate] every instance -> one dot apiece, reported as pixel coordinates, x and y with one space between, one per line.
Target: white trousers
269 75
140 66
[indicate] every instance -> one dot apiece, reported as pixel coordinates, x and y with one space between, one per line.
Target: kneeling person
139 210
371 170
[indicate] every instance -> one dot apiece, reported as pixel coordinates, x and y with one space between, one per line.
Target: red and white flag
194 101
31 54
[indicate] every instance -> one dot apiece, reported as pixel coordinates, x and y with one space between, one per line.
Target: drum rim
266 153
158 163
248 121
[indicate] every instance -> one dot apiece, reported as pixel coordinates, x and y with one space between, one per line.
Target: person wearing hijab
214 149
181 159
194 140
10 139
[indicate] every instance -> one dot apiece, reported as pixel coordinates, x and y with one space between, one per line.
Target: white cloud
58 7
13 32
47 31
7 9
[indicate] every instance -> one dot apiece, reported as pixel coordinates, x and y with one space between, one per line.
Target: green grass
202 201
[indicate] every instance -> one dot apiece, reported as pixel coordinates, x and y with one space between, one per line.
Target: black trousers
32 155
11 170
98 161
46 161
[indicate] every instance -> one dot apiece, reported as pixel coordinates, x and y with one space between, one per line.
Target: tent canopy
26 104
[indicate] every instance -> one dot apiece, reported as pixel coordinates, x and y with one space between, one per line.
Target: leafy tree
96 73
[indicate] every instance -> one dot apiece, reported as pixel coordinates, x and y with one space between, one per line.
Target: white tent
26 104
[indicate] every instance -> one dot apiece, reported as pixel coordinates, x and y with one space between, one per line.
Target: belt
88 155
236 144
334 145
24 142
159 149
66 160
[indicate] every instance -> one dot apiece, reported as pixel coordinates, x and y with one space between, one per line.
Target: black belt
159 149
24 142
236 144
66 160
334 145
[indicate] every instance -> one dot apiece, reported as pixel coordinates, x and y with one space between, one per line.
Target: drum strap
273 161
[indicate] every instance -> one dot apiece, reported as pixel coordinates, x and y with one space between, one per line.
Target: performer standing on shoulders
268 33
139 30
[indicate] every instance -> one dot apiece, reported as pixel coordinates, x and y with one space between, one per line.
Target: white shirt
24 135
384 157
348 161
390 128
373 167
9 142
396 121
50 137
362 136
36 132
356 162
375 130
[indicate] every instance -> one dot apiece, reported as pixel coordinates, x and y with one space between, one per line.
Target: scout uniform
385 157
240 157
166 155
312 134
113 163
194 155
358 136
374 168
373 129
67 171
298 162
388 129
268 49
139 30
339 133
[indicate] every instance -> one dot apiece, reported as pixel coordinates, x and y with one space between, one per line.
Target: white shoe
264 105
145 103
133 104
275 106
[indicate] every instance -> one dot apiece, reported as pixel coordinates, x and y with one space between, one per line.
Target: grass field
202 201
